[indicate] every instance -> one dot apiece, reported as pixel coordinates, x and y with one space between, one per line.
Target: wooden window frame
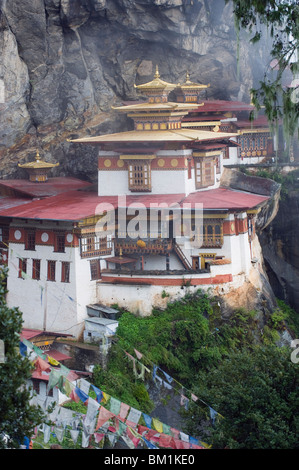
92 245
95 269
36 265
65 271
211 239
30 240
59 246
22 267
201 167
139 175
51 275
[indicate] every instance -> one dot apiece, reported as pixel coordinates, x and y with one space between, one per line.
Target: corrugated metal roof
49 188
77 205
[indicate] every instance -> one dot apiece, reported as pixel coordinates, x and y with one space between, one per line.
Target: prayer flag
148 420
104 416
115 406
123 411
134 415
157 425
98 392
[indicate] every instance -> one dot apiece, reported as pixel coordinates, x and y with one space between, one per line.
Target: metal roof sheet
77 205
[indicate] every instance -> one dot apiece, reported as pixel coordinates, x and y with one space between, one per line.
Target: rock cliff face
65 62
281 250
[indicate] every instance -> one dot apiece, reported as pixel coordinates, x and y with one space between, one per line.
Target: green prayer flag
114 406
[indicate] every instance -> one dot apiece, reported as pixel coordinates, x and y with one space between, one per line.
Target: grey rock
69 61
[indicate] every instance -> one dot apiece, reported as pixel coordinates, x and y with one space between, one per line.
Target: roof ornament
38 169
157 74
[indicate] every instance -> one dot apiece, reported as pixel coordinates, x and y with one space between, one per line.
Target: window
30 240
139 175
65 271
189 169
60 242
95 269
204 172
253 145
51 270
22 267
212 234
36 269
93 245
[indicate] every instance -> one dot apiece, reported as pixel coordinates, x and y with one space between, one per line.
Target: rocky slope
65 62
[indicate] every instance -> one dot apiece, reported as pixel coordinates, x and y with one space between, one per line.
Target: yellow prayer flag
157 425
105 397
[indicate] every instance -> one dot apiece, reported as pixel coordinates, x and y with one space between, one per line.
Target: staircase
181 256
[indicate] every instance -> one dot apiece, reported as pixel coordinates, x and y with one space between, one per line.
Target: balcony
148 246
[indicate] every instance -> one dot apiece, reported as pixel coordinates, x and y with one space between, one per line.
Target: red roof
260 121
76 205
7 202
224 198
223 106
28 333
49 188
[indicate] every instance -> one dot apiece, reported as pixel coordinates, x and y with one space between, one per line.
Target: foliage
288 182
188 334
17 417
229 363
281 18
118 381
257 395
291 317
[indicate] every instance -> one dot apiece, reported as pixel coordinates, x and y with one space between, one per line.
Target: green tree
281 19
17 417
257 394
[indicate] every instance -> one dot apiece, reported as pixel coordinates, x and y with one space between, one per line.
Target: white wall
54 306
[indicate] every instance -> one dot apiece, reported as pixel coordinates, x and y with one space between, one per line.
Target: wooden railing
212 241
127 246
181 256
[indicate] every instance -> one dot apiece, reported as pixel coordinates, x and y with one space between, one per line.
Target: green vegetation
289 182
257 394
231 363
279 20
17 417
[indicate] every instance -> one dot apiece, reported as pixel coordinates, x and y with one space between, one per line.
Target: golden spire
38 169
157 75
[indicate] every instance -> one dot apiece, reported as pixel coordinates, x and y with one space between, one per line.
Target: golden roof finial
187 76
37 156
157 75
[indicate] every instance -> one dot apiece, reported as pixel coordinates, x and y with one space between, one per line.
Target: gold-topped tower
157 90
38 169
157 113
189 91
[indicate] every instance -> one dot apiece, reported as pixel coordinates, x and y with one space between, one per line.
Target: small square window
30 240
60 242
